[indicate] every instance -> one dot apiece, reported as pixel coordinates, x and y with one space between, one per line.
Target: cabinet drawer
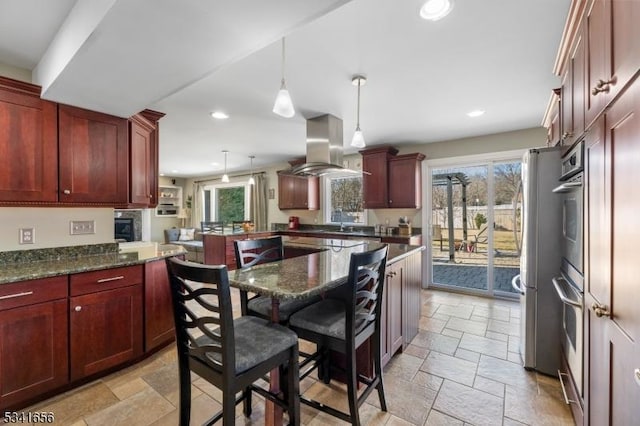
33 291
105 279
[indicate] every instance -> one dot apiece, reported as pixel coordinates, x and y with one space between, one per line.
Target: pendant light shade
358 138
251 180
434 10
225 176
283 105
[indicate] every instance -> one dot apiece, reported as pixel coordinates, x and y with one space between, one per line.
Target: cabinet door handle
106 280
77 308
67 191
11 296
601 310
636 375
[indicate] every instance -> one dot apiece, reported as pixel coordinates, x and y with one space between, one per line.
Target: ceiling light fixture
434 10
283 105
358 138
251 181
475 113
219 115
225 176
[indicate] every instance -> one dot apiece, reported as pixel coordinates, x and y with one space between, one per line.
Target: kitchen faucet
341 224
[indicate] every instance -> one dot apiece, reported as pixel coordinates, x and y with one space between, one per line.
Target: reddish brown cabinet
105 325
612 318
390 180
391 327
158 310
375 179
405 181
296 192
33 339
572 91
219 248
613 51
141 165
93 157
143 159
28 144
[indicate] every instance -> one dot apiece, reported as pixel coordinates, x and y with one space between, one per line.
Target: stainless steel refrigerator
541 215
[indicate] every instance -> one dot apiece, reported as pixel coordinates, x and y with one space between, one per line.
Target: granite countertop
315 273
33 264
354 233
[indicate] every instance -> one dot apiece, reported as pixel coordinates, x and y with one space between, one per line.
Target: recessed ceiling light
475 113
219 115
174 171
215 164
161 174
434 10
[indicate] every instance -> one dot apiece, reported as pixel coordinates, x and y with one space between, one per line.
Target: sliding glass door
475 225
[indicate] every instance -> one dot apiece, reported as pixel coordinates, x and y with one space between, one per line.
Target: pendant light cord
358 109
283 55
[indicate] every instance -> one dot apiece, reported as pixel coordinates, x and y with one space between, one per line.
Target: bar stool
348 317
230 354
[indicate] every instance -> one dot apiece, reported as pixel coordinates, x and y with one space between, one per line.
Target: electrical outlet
82 227
26 236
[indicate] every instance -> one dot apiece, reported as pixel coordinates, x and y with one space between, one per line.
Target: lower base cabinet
33 339
391 326
159 327
105 319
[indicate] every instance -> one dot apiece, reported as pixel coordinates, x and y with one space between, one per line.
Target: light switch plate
26 236
82 227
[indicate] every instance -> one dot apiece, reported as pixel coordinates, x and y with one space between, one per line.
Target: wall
51 226
15 72
159 223
508 141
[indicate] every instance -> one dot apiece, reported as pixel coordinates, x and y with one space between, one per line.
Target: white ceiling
187 59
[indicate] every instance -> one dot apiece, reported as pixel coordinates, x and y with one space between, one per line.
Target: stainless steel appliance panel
540 260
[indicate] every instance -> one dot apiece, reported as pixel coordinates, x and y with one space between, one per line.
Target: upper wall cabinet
375 180
143 159
54 154
394 181
295 192
613 45
405 181
93 149
28 144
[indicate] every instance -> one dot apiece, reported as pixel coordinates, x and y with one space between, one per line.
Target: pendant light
225 176
358 138
251 181
283 105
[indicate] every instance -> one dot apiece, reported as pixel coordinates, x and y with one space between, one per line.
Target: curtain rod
230 176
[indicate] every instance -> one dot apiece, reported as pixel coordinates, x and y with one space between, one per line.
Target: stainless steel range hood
324 148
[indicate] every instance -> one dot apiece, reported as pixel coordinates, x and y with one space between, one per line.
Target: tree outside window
344 200
226 203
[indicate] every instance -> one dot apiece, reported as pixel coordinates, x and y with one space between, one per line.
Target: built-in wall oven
570 283
571 191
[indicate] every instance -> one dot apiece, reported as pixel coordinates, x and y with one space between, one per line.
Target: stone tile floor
461 369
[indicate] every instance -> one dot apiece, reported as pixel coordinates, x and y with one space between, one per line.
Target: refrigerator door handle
562 295
515 283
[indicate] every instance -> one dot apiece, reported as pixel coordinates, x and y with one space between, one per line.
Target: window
226 202
343 200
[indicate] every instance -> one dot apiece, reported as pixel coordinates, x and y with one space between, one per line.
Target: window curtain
197 211
258 202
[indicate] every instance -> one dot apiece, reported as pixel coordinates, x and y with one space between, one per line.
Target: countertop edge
170 251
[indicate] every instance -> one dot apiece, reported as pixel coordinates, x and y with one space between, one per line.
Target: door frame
487 159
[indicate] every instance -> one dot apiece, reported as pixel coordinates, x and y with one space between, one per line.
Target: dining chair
207 226
264 250
230 354
348 317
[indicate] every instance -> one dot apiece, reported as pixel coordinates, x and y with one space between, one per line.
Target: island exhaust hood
324 148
